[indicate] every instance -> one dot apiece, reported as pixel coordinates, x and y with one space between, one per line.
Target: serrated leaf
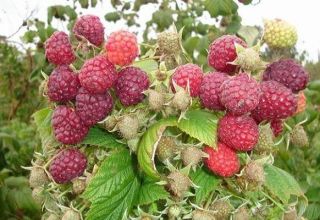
114 188
151 192
147 146
281 184
201 125
235 25
220 7
101 138
42 120
147 65
312 211
250 34
206 183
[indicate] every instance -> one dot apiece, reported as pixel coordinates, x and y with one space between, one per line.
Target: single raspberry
97 75
288 73
239 132
203 215
210 90
254 174
265 143
166 148
156 100
276 102
63 84
240 94
38 177
169 43
128 126
222 209
302 103
174 211
92 108
67 125
223 161
91 28
58 49
53 216
188 76
122 48
299 137
277 127
38 195
71 214
130 85
241 214
192 156
291 214
222 51
67 165
178 183
181 100
78 186
279 34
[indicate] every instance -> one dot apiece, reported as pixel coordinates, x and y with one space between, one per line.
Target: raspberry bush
152 130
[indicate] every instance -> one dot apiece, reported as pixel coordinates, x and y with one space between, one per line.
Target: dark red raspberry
67 125
222 51
188 74
210 90
92 108
91 28
63 84
240 94
223 161
277 127
238 132
122 47
58 49
288 73
67 165
131 82
97 75
276 102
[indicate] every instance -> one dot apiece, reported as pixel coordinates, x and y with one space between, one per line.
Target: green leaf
163 18
312 211
201 125
235 25
191 44
281 184
151 192
147 146
94 3
42 119
114 188
101 138
250 34
112 16
314 85
147 65
84 3
220 7
206 182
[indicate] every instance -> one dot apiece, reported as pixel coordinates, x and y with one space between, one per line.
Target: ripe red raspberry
238 132
58 49
222 51
288 73
91 28
122 47
67 125
277 127
131 82
188 74
210 90
67 165
97 75
276 102
240 94
63 84
223 161
92 108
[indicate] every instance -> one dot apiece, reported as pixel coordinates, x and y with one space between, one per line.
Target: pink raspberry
58 49
238 132
223 161
131 82
188 74
210 90
67 125
67 165
97 75
277 127
92 108
240 94
288 73
63 84
222 51
91 28
276 102
122 48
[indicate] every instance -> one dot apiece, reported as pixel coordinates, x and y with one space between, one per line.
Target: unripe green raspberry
169 42
299 136
241 214
38 196
71 214
222 209
38 177
202 215
128 126
166 148
191 156
265 142
78 186
254 174
178 184
181 100
279 34
155 100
